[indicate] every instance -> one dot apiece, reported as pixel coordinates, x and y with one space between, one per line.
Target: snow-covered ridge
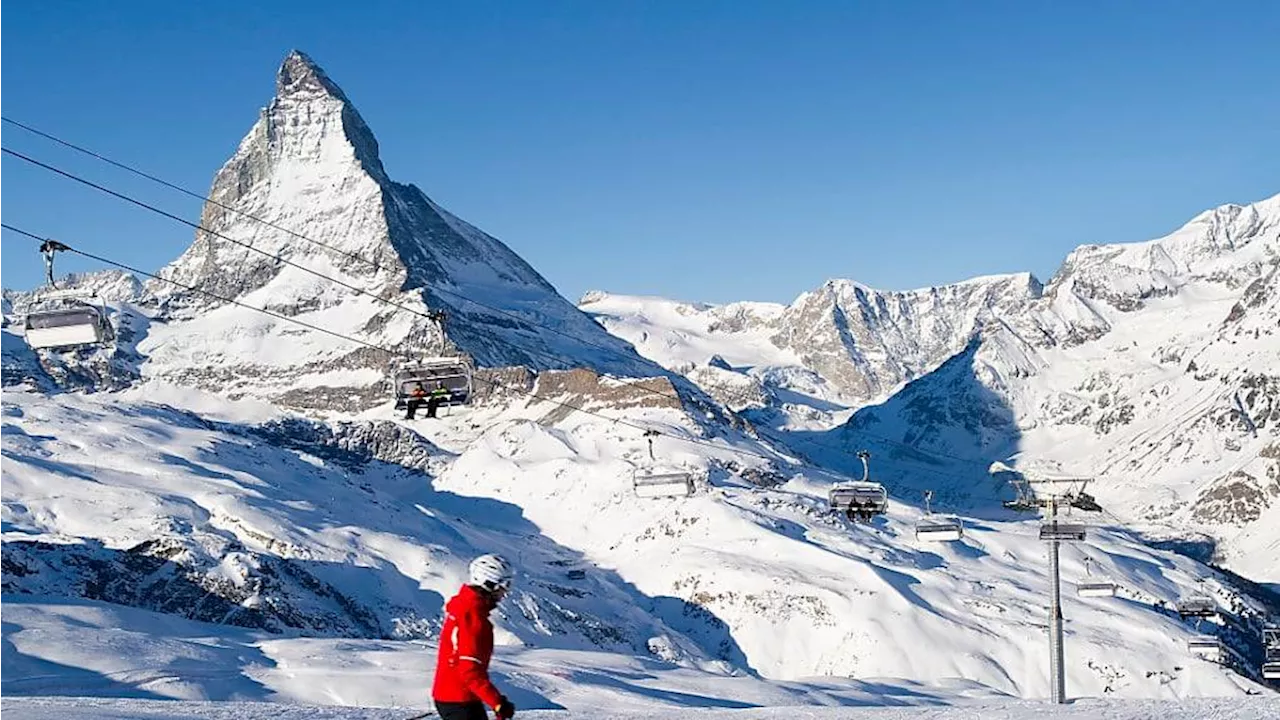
839 346
1152 365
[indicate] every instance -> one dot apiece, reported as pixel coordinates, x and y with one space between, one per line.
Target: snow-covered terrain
106 709
841 345
1154 367
226 506
363 530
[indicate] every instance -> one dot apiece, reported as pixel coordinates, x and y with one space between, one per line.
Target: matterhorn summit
304 221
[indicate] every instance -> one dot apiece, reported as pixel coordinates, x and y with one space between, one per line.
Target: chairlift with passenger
64 319
938 528
861 499
452 371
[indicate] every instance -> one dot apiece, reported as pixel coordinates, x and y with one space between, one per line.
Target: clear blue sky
700 150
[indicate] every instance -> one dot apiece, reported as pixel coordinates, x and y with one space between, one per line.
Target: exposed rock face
585 389
868 342
306 190
859 343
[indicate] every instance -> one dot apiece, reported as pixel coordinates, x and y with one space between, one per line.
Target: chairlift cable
197 226
345 253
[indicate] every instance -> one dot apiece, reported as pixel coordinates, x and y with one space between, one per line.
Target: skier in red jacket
462 687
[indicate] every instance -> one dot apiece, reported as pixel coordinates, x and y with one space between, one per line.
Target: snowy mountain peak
304 221
304 94
1227 244
299 73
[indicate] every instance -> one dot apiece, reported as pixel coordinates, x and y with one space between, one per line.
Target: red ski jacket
466 645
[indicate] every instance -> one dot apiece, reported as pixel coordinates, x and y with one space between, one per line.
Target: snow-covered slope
308 175
599 708
83 647
362 529
1153 366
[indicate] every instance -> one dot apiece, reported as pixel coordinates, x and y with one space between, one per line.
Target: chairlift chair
1064 532
861 499
1197 606
454 373
1208 647
70 323
649 484
1094 587
1271 667
1098 588
64 318
654 483
1271 664
938 528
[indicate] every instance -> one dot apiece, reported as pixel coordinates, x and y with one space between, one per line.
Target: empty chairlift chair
938 528
1198 605
1063 532
1094 586
66 322
64 318
655 484
1271 666
862 499
1208 647
453 373
652 482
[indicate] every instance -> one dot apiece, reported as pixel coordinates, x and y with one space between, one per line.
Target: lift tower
1046 493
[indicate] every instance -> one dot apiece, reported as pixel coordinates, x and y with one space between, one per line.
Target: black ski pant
412 408
432 404
461 711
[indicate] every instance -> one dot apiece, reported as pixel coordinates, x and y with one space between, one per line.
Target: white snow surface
736 581
58 708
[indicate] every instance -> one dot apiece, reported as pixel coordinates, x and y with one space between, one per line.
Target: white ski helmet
491 572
